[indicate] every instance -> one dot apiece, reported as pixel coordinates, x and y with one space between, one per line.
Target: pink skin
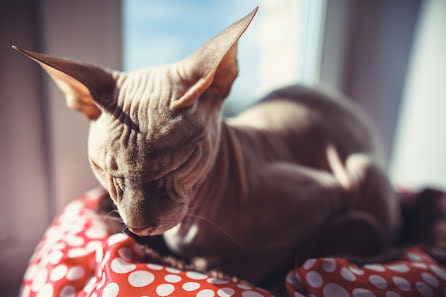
245 195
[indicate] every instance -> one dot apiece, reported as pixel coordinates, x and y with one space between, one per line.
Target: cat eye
119 185
96 165
98 168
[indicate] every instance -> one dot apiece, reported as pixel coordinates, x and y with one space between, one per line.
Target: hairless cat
298 172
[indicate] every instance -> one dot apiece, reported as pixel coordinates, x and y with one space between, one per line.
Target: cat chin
161 229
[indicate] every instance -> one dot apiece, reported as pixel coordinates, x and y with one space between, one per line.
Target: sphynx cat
297 173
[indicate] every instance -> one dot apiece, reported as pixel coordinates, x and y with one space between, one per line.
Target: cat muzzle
146 231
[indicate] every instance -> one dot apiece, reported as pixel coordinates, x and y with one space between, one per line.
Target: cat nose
142 231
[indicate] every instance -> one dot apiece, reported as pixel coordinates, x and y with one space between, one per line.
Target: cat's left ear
214 64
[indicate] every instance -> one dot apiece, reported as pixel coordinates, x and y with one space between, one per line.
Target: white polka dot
73 207
46 291
55 257
206 293
424 289
362 293
420 265
90 285
347 274
115 238
190 286
75 240
293 279
165 289
26 290
172 270
401 283
31 272
430 279
297 294
77 228
96 233
172 278
110 290
95 194
298 278
102 282
141 278
309 263
290 278
329 264
334 290
414 257
125 253
59 246
438 271
399 267
77 252
392 294
75 273
195 275
93 245
378 281
251 294
120 266
67 291
356 271
244 286
104 261
225 292
96 247
155 266
217 281
375 267
314 279
58 272
40 280
99 253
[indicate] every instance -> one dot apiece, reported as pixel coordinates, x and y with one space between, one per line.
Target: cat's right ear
87 88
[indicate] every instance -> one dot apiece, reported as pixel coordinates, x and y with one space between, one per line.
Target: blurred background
389 56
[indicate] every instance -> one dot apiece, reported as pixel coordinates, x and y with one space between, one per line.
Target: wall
24 172
43 156
366 53
420 146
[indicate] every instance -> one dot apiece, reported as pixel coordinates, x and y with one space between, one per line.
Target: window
280 47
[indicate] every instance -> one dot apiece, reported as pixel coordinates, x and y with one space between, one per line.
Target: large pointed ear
87 88
214 64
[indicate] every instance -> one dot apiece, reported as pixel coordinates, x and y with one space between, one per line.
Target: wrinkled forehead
151 89
134 141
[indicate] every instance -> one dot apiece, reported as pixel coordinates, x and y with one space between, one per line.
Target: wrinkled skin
297 174
145 152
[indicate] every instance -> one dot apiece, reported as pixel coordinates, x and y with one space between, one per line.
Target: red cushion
417 274
77 257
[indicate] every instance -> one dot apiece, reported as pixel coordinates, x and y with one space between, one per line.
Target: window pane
276 50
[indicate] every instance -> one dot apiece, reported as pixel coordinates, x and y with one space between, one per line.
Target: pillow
416 274
78 257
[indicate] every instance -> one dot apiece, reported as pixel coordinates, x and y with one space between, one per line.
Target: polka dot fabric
417 274
77 258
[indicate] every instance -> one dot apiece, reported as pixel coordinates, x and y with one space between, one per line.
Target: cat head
154 133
